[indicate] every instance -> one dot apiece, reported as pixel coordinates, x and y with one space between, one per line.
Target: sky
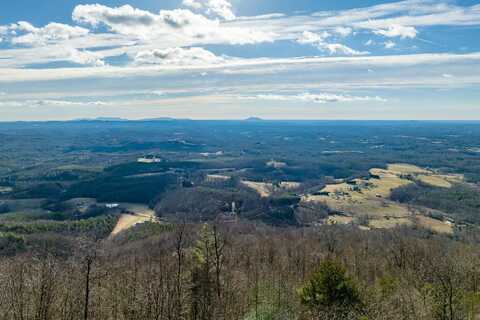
234 59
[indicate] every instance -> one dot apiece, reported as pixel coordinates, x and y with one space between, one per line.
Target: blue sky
231 59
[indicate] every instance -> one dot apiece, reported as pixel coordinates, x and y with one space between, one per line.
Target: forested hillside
249 271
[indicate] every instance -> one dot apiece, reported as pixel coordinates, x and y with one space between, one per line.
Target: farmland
370 198
334 176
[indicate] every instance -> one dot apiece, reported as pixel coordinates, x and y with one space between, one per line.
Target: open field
265 189
262 188
126 222
388 223
289 185
434 225
217 178
435 181
337 219
441 180
370 198
404 168
137 214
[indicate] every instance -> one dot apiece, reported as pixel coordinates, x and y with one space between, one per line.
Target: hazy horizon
219 59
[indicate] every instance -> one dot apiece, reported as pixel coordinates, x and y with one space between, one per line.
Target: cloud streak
178 57
50 103
320 98
319 40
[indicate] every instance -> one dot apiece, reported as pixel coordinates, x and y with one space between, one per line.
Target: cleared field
357 204
435 181
216 178
337 219
383 187
434 225
388 223
265 190
262 188
138 209
370 198
126 222
336 188
290 185
138 214
404 168
365 197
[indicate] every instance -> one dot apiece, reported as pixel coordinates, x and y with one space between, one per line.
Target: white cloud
267 16
337 48
409 15
398 31
389 44
178 57
50 103
308 37
222 8
343 31
42 56
218 8
24 33
180 25
132 30
84 57
468 64
320 98
116 18
192 4
319 40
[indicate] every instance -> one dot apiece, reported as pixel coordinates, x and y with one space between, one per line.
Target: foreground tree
330 293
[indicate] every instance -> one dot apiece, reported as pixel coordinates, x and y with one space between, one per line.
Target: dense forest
248 271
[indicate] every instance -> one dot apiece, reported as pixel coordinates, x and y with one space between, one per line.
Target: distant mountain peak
254 119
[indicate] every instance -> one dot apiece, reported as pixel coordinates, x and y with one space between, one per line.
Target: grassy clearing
138 214
388 223
288 185
435 181
262 188
126 222
383 187
435 225
337 219
217 178
371 198
404 168
266 190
